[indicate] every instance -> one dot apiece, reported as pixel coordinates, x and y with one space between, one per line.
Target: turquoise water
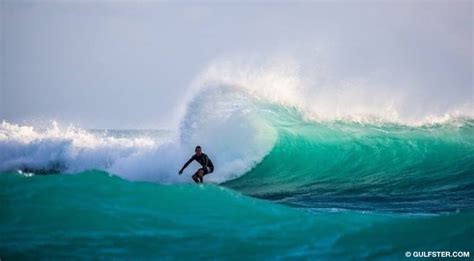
335 190
95 214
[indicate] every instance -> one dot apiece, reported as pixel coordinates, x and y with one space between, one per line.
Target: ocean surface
286 185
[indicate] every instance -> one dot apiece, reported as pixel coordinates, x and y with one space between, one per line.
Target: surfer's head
198 150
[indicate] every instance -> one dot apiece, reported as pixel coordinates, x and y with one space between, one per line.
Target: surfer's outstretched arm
186 164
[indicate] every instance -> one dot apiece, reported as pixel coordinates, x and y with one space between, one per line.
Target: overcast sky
108 64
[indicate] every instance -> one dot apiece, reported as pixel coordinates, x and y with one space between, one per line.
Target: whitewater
300 172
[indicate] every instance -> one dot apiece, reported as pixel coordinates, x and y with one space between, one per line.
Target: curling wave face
366 167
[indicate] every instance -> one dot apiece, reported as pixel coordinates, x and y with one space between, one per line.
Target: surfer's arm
187 163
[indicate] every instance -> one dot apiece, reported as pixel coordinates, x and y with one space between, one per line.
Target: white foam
224 122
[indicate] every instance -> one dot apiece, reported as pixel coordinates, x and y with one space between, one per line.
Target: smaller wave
71 149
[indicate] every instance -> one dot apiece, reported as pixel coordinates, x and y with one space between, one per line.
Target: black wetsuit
205 162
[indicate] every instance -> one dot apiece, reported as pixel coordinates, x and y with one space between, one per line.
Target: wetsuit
205 162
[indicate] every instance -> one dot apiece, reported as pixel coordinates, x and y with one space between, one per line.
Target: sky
129 64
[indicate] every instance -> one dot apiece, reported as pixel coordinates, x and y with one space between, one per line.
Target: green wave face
381 167
94 214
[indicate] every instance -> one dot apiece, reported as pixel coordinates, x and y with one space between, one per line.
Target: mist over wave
320 95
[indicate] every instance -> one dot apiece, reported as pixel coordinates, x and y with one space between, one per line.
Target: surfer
203 159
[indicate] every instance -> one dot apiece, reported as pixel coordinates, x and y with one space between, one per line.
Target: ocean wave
243 114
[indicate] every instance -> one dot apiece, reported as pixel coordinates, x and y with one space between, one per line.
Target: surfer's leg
195 178
200 174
